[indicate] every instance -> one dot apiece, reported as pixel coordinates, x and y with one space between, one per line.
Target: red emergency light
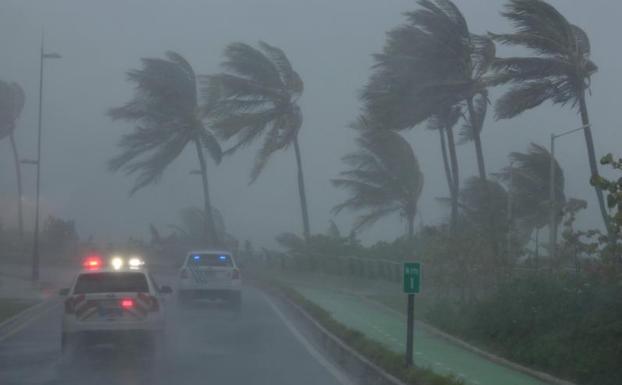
92 262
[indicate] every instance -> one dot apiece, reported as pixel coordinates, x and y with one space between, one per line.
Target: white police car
119 303
210 274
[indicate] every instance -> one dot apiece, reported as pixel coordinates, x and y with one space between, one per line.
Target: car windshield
210 260
111 283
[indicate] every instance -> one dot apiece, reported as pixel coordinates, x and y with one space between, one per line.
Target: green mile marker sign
412 277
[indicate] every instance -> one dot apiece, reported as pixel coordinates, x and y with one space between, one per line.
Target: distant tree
168 116
190 231
58 233
528 180
560 70
258 96
12 99
333 230
384 177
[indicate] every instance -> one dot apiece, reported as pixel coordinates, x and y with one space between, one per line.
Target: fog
328 42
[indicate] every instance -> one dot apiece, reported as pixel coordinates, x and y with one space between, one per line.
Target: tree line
432 72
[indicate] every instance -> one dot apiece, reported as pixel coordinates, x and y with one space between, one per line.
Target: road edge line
319 357
46 306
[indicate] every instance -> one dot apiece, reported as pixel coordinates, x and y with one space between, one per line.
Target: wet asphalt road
206 344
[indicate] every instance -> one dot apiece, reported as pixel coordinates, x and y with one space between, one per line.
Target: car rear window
222 260
111 283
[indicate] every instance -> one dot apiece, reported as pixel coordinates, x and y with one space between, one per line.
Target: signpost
412 286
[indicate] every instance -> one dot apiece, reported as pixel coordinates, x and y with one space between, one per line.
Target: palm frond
474 124
289 77
164 108
247 61
561 70
383 176
528 95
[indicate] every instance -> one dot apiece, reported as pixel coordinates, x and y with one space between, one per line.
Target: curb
359 367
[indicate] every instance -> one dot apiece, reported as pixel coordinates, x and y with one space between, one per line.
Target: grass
9 307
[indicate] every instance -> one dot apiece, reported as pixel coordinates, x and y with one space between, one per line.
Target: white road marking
28 321
332 369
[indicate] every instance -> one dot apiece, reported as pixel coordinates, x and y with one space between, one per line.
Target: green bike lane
431 351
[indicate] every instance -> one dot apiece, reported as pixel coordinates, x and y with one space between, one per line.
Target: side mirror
63 292
166 290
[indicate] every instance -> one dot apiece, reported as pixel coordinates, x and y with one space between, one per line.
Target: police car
210 274
116 303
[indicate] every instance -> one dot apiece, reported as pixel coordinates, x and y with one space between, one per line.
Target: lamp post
552 195
35 247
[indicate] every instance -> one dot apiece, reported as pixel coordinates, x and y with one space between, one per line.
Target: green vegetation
10 307
384 177
566 325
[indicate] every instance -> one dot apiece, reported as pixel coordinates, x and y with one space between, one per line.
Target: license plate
109 311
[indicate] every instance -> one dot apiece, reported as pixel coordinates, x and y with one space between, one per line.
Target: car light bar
92 262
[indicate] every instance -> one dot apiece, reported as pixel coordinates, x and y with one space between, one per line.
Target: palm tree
12 99
559 72
444 123
258 95
384 177
168 118
429 65
528 180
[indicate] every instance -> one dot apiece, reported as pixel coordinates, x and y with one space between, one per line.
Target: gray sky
328 41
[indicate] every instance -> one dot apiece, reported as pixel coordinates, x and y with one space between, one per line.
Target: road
205 345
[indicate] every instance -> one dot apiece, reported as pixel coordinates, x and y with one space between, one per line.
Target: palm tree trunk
479 152
301 192
450 183
591 155
411 226
18 174
210 227
455 190
481 166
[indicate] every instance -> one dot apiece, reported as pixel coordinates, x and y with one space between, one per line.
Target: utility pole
553 193
35 246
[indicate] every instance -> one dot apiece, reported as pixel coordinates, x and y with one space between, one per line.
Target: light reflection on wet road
205 345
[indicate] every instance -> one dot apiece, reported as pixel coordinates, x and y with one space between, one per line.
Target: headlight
135 262
116 262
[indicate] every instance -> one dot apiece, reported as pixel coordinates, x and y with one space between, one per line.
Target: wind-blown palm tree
12 99
384 177
168 118
429 65
528 180
258 96
444 123
559 72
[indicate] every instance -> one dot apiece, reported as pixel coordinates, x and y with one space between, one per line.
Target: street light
552 196
35 248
